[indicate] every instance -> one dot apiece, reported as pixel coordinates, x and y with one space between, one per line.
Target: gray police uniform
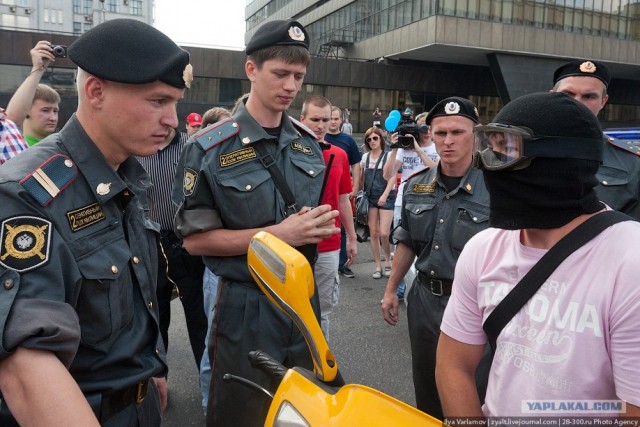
78 264
619 177
222 183
436 224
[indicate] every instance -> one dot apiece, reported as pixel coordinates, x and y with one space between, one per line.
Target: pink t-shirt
578 338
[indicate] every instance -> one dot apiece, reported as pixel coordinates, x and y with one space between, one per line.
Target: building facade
389 54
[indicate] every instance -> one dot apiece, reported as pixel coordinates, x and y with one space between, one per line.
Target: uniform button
312 173
157 351
605 183
436 247
68 163
447 197
247 187
432 273
475 219
150 305
441 221
136 260
8 284
417 210
114 269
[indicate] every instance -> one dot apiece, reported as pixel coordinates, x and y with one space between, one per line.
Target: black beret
278 33
130 51
454 106
583 68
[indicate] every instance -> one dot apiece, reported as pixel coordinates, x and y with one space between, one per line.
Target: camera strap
269 163
533 280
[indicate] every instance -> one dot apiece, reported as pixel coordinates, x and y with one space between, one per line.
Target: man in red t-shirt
316 114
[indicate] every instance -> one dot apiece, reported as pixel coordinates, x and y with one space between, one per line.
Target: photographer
34 106
421 154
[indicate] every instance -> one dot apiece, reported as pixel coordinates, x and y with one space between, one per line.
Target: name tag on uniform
296 145
237 156
84 217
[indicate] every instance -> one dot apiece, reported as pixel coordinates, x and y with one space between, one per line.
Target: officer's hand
163 391
307 226
389 307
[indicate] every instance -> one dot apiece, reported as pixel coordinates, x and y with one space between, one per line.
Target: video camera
406 126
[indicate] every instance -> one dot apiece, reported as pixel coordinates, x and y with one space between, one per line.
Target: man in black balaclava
576 339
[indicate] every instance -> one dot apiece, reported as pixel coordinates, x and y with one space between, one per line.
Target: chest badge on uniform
25 243
237 156
424 188
84 217
296 145
189 181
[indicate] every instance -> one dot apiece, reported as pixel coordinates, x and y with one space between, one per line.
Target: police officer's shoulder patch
301 126
189 181
217 133
630 145
26 241
50 178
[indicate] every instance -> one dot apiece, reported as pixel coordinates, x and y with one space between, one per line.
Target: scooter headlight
288 416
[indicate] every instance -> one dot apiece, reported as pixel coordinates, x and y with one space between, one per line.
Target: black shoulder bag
531 282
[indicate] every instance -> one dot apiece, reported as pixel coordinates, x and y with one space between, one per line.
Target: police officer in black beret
619 175
79 342
225 193
442 208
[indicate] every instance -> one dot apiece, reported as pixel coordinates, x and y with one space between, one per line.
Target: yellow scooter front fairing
305 398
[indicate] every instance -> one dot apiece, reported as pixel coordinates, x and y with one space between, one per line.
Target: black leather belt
438 287
120 399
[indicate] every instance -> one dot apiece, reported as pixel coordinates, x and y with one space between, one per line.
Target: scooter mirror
285 277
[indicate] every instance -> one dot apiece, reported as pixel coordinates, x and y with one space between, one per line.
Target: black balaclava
550 192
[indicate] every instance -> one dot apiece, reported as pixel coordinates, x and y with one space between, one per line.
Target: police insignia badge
296 33
588 67
187 75
25 243
452 108
189 181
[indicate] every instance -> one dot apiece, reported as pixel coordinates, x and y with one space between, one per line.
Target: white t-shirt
412 163
576 339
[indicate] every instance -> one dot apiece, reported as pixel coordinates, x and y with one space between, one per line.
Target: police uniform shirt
221 182
619 180
78 262
436 223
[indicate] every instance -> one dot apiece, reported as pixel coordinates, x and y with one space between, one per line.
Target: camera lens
60 51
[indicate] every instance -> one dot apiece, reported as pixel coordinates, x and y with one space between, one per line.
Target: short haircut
214 115
317 101
334 108
47 94
288 54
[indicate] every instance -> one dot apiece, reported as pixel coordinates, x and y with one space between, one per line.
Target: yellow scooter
306 398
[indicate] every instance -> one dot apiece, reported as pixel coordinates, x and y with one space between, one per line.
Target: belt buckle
141 391
437 292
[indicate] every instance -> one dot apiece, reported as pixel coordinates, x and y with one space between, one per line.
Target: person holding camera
381 196
35 105
442 208
410 155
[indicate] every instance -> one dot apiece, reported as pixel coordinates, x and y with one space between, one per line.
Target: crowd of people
108 219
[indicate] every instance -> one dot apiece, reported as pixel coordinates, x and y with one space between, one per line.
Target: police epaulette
630 145
50 179
298 124
213 135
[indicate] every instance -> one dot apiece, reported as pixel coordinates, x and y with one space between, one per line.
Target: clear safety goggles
502 146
